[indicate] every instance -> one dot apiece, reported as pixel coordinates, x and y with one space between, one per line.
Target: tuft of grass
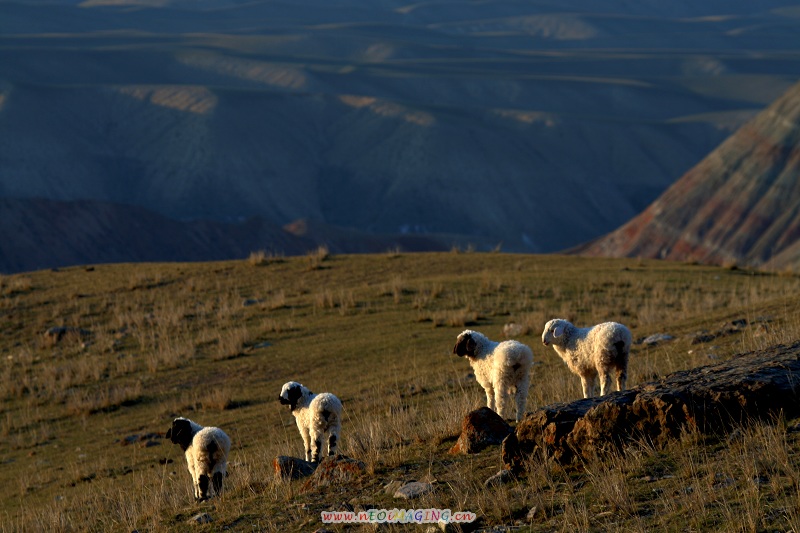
317 257
456 318
88 401
277 300
395 252
263 258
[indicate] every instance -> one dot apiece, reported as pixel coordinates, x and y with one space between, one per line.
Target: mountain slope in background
741 204
40 234
502 122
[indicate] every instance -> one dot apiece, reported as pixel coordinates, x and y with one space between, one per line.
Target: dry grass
215 341
317 257
263 258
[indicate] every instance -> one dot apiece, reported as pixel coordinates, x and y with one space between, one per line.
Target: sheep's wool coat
600 350
209 451
206 450
501 368
316 415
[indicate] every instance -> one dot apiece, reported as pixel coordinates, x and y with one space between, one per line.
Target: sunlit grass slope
215 342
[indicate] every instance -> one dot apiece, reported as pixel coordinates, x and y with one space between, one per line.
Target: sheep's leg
501 399
522 398
306 442
587 384
216 481
490 399
195 481
316 444
202 487
622 377
605 383
333 441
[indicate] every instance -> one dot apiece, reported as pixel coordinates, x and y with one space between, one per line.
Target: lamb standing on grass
588 352
206 451
316 415
502 369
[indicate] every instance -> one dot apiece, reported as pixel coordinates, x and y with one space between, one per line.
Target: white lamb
501 368
588 352
316 415
206 450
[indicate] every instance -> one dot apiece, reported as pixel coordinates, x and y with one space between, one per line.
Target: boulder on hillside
413 490
709 399
512 329
336 469
655 339
479 429
201 518
292 467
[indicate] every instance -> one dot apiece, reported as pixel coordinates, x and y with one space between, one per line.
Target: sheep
588 352
206 450
501 368
316 415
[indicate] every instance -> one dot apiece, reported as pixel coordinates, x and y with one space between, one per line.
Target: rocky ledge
710 399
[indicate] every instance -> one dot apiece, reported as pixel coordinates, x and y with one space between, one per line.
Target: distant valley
525 126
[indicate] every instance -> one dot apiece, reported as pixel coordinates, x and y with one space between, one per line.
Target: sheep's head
291 394
466 344
181 432
554 332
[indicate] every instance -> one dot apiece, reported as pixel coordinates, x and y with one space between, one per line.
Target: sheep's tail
211 454
620 346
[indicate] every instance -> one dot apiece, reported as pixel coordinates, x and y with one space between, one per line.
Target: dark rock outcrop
330 470
412 490
336 469
292 467
709 399
501 478
201 518
479 429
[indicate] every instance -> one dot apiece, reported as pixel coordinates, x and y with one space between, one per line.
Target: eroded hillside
384 117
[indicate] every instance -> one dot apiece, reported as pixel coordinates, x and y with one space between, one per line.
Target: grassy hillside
215 342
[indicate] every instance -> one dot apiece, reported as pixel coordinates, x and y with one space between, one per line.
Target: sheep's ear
559 330
465 346
471 345
181 433
294 393
460 349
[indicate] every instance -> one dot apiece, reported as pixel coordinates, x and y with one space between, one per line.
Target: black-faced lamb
206 450
501 368
600 350
316 415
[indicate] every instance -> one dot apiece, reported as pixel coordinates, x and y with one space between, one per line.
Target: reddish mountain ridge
741 204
